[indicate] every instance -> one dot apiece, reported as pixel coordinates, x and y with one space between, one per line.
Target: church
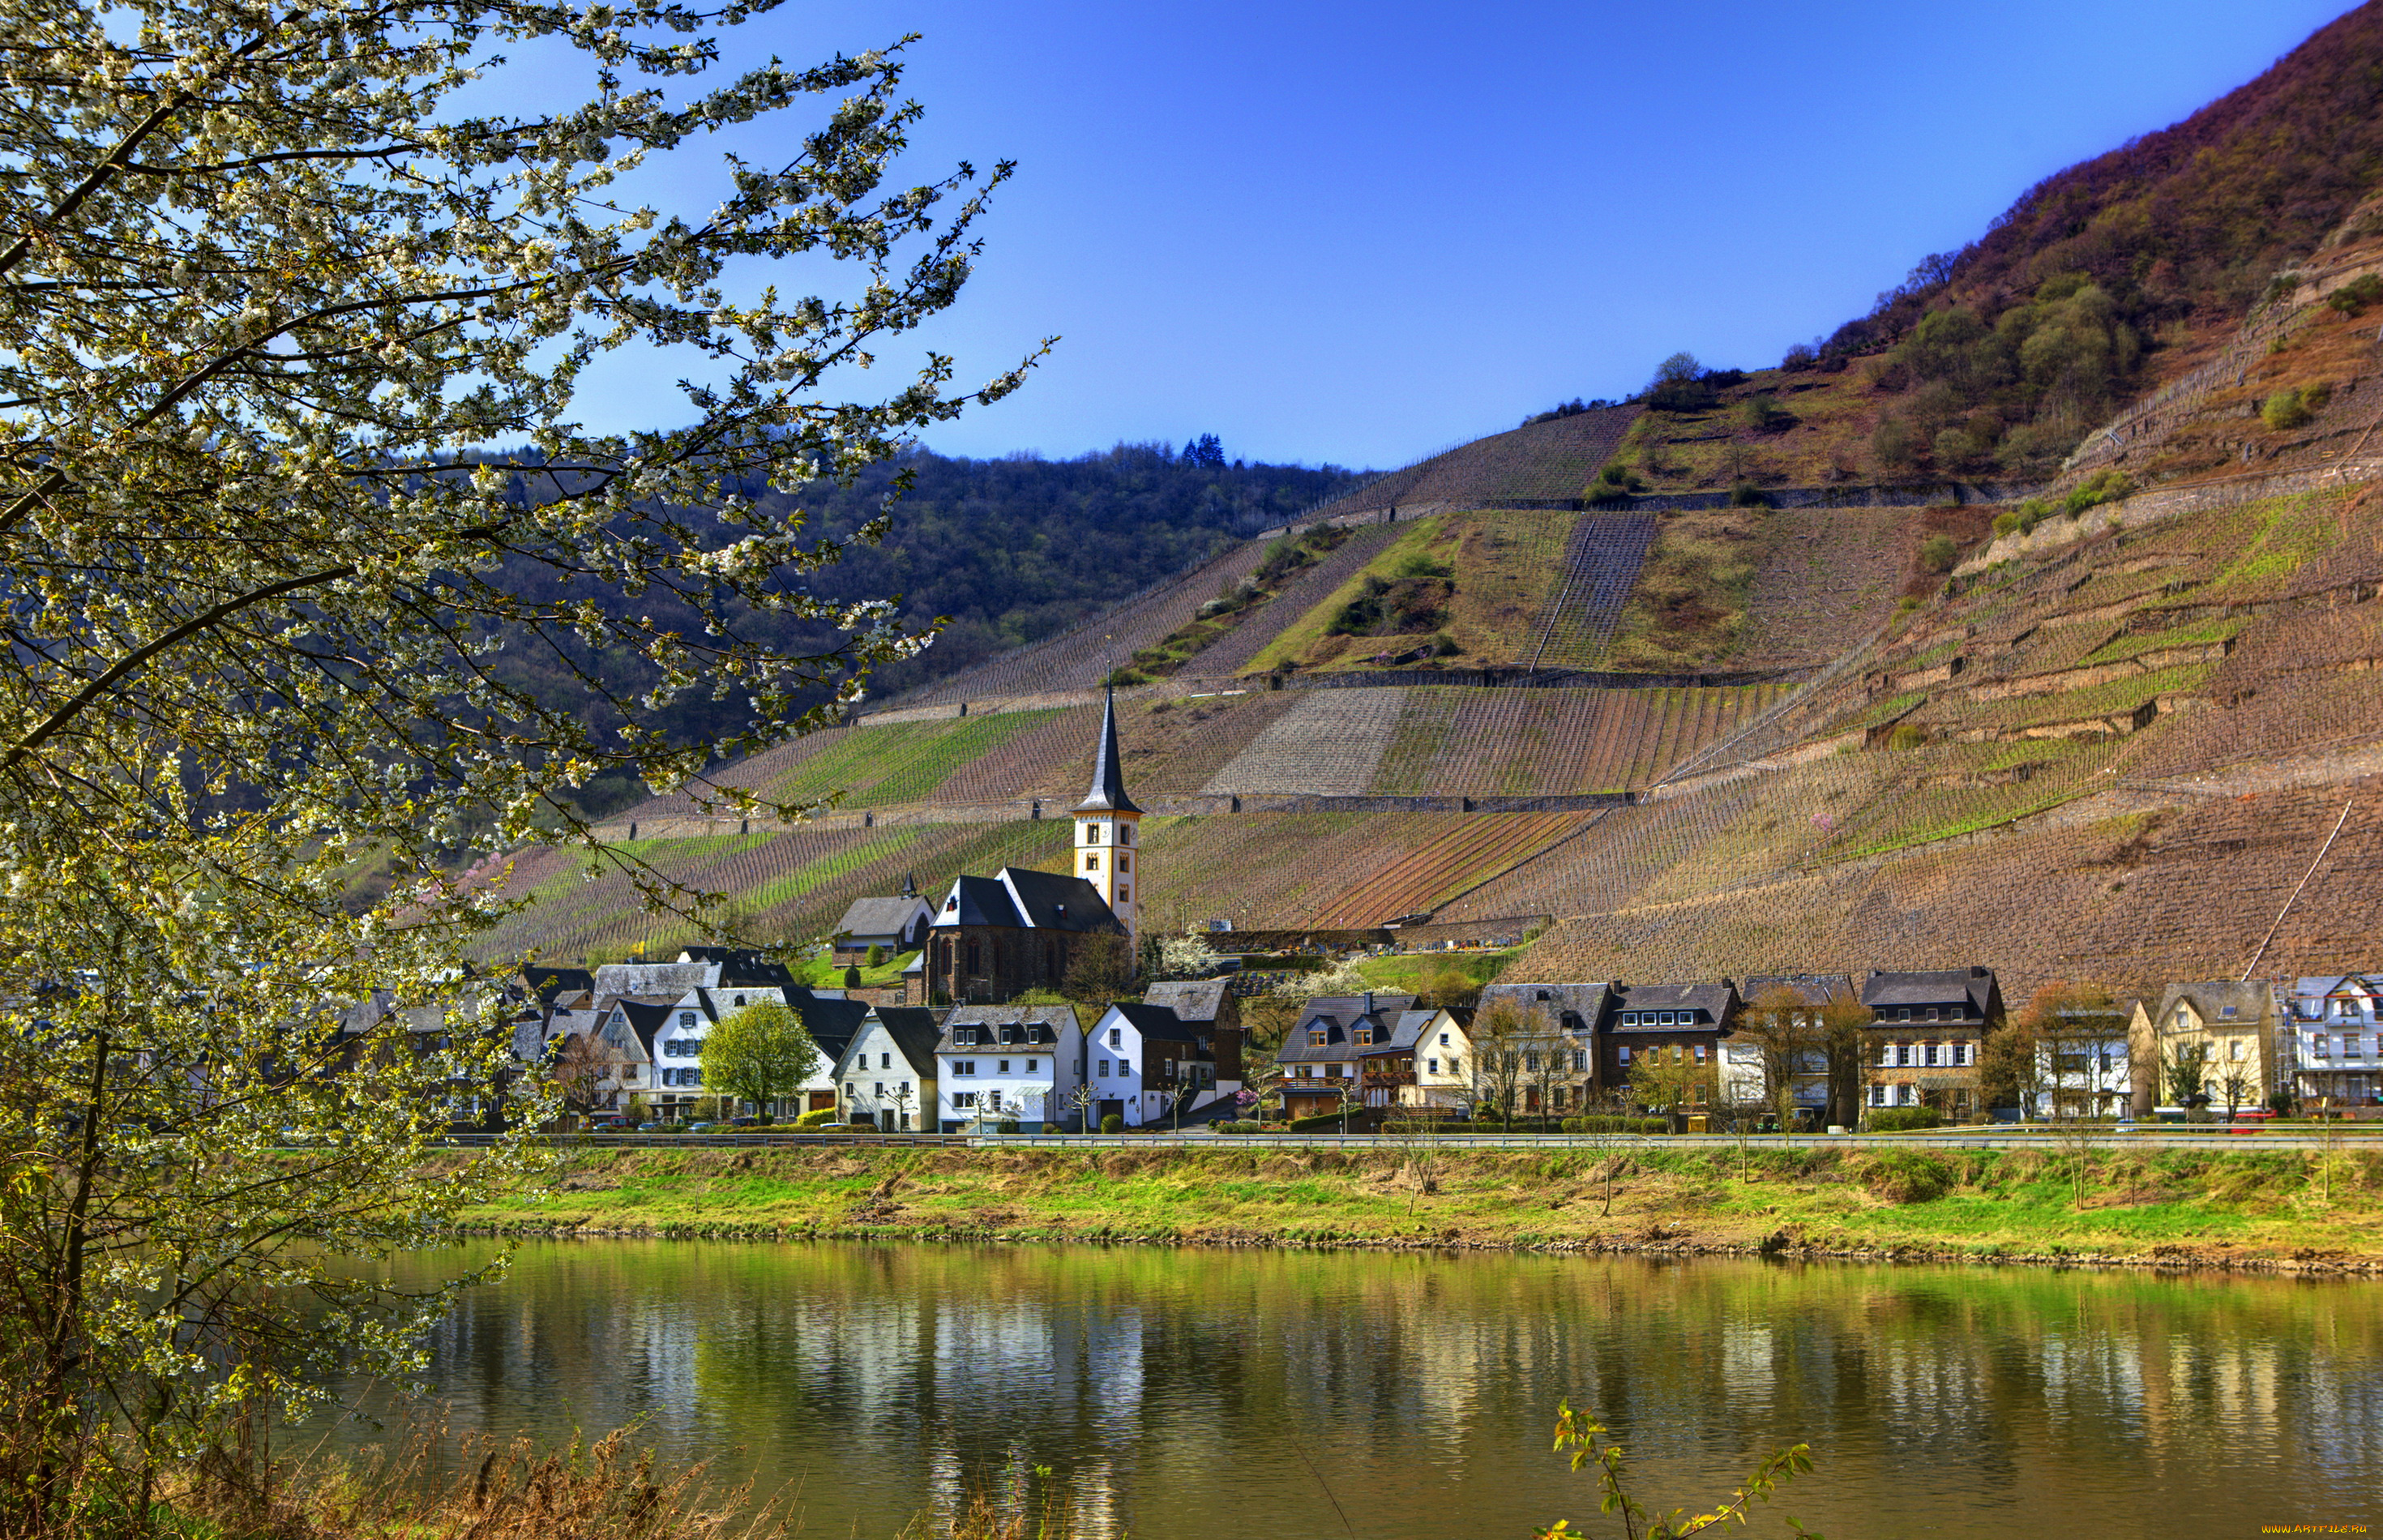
994 938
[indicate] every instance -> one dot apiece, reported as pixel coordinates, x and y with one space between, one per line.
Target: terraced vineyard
1332 741
1454 740
1601 564
1544 461
1233 653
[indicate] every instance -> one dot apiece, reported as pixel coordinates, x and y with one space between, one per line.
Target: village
976 1036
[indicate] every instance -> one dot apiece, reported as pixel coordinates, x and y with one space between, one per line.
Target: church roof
1107 794
1025 900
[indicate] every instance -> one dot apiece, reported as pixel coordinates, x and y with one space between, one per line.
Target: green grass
2183 1206
1300 637
2121 647
1407 974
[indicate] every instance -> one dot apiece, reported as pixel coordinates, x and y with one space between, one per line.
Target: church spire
1108 769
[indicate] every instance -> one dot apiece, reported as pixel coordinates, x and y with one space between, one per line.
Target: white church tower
1105 822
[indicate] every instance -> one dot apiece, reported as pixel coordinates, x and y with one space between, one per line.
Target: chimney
1369 1002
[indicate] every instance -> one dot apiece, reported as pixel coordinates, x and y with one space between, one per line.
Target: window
993 1100
1878 1096
851 1090
1365 1037
1316 1038
903 1090
1125 862
1431 1066
1962 1054
1029 1065
1091 861
1004 1066
1443 1040
1885 1055
1928 1052
1903 1053
963 1099
884 1060
964 1067
740 1000
1116 1037
1456 1067
2239 1047
1625 1055
1664 1018
1104 1068
1931 1012
1580 1061
1906 1094
685 1018
1531 1060
1125 895
2227 1012
1124 833
880 1088
2321 1040
1700 1052
1124 1067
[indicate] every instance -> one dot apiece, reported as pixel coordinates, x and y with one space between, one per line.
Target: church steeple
1105 821
1108 769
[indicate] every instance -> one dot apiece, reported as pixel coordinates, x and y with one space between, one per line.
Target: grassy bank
2278 1209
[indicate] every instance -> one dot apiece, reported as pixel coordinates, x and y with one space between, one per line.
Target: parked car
614 1124
747 1121
700 1128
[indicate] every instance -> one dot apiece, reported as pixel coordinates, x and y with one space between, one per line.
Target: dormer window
1365 1037
1316 1038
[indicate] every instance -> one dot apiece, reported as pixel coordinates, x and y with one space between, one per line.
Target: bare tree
584 1070
1789 1040
1081 1099
1845 1043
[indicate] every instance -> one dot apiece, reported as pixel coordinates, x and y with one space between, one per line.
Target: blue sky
1360 233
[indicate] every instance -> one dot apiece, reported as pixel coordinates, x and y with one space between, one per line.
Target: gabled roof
1971 986
1814 989
547 983
880 917
914 1031
831 1023
1050 902
1712 1005
1585 1002
978 901
1191 1000
1152 1021
644 1017
737 968
1405 1031
1107 794
2213 1001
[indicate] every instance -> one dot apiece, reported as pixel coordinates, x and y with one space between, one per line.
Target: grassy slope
2173 1207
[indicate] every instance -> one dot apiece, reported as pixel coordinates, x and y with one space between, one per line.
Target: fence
2160 1137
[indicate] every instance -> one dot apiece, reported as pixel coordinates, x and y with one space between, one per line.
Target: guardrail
2162 1137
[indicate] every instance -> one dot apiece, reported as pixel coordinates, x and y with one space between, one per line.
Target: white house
2083 1068
998 1062
2337 1024
886 1078
1445 1075
1141 1060
678 1044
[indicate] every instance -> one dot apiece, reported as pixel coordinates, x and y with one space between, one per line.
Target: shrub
1444 645
2006 522
816 1117
852 977
1007 1126
876 955
1609 1125
1910 1175
2096 489
1896 1120
1050 1127
1764 414
1237 1126
2357 295
1895 445
1746 494
1113 1124
1937 553
1799 357
1321 1122
1906 736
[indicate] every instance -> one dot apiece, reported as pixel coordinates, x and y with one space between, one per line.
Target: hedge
1898 1120
1604 1125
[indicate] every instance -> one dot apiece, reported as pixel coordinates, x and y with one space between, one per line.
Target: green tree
269 288
2185 1069
761 1054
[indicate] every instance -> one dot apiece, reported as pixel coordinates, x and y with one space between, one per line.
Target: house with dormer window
886 1077
996 1064
1676 1029
1927 1028
2234 1031
1322 1056
1142 1060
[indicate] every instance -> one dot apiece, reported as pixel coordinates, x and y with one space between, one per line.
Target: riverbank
2269 1211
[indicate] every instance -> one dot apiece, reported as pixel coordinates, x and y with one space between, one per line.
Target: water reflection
1224 1394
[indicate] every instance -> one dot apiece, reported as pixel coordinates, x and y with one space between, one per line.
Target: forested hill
1011 550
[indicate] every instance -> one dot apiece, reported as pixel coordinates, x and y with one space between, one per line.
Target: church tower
1105 822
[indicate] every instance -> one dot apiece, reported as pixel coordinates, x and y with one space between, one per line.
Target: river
1224 1395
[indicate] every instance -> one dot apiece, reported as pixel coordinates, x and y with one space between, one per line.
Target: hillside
1749 696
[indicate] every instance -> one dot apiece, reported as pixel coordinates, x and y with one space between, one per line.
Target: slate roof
1048 1022
1583 1003
831 1023
1191 1000
1406 1031
871 918
548 983
737 968
2250 1003
644 1017
1019 900
1973 987
1815 988
1155 1021
914 1031
1107 794
1712 1004
1339 1016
